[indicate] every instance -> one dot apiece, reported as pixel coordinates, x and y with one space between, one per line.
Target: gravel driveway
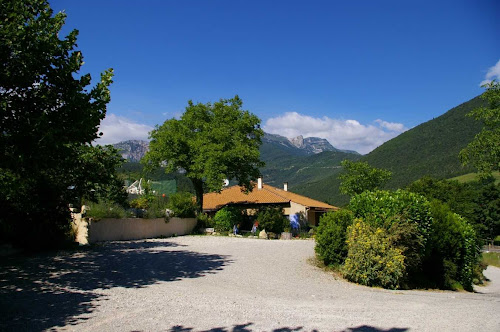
196 283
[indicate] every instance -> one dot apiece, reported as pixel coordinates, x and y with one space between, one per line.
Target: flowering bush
372 260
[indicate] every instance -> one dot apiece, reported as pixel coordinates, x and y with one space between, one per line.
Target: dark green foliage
331 236
49 117
373 259
203 221
486 216
453 251
359 177
484 151
226 218
459 196
182 204
477 201
105 210
271 219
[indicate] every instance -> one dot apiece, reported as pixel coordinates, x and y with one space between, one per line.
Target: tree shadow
53 289
235 328
248 328
367 328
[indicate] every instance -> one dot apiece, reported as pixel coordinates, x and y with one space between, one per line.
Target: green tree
484 151
271 219
210 143
331 245
359 176
48 120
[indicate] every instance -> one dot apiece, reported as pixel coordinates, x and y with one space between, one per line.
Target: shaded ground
220 284
52 290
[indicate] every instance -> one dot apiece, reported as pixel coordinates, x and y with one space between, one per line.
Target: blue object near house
294 221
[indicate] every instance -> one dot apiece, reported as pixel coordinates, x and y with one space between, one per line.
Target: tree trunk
198 188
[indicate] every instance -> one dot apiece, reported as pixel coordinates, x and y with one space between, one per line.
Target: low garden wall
131 228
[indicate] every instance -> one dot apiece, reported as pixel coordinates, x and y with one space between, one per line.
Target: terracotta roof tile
303 200
266 195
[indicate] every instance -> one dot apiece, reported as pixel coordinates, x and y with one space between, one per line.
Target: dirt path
220 284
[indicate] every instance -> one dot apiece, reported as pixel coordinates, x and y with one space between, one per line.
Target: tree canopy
210 143
484 151
359 176
48 120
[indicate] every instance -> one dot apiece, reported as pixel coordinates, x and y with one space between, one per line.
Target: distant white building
136 188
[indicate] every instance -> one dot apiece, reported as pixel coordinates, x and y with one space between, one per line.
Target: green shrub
372 260
383 208
183 205
203 221
496 241
140 203
272 220
105 210
226 218
331 246
453 253
405 215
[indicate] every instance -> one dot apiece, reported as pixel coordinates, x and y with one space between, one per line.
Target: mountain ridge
134 150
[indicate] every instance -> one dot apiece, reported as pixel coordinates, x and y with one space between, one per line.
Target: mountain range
311 165
134 150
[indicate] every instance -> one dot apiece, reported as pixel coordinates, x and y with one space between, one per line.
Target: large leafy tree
359 176
210 143
484 151
48 119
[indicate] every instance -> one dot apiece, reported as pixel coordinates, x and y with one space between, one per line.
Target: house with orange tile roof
264 194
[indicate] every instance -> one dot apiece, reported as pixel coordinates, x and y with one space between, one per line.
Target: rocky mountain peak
132 150
297 141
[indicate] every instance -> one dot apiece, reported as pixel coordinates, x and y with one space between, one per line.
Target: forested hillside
431 148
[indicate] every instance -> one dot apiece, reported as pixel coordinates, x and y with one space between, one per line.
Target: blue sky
355 72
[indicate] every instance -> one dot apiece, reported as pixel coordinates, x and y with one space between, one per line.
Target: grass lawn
491 258
473 177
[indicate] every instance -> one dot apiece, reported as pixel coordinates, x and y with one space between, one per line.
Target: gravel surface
196 283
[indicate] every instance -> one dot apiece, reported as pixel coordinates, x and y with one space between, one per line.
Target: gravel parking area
196 283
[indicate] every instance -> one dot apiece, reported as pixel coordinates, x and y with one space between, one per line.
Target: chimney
259 183
285 186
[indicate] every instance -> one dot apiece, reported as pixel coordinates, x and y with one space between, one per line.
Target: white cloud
116 129
493 73
391 126
342 134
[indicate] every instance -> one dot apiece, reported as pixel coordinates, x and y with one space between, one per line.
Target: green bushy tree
359 176
271 219
226 218
49 117
182 205
478 201
210 142
453 252
484 151
331 236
